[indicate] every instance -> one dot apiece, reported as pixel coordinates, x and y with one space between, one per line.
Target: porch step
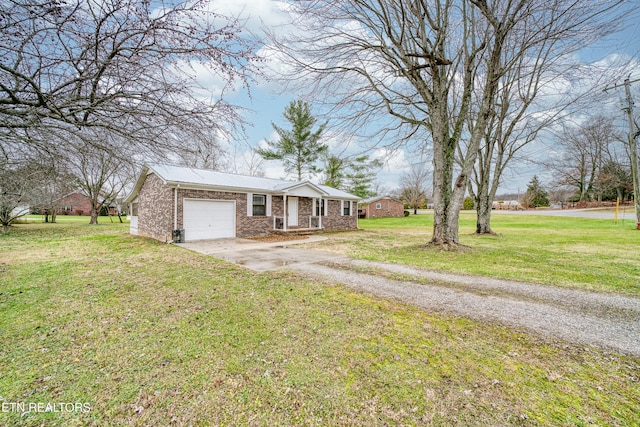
297 231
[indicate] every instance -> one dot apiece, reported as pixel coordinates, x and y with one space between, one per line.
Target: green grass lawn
148 334
69 218
573 252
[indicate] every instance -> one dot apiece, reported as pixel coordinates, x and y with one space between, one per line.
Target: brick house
176 203
381 207
77 203
74 203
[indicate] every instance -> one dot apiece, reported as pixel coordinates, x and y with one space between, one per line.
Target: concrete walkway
263 256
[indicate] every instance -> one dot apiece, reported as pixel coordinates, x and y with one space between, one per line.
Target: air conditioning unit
178 236
279 223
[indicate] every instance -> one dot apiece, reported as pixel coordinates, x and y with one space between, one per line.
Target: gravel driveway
608 321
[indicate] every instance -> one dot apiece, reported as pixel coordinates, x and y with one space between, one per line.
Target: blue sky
268 102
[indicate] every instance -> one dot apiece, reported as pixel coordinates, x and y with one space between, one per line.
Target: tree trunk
54 214
483 210
94 215
445 220
5 229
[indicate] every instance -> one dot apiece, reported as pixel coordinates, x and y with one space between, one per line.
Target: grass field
572 252
148 334
68 219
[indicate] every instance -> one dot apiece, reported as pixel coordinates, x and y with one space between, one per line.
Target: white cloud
254 13
395 160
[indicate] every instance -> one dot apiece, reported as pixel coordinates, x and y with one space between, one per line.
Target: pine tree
536 196
361 176
300 147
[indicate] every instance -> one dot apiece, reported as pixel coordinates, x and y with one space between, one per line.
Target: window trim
254 205
346 208
320 207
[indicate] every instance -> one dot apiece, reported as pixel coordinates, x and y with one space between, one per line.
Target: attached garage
178 204
209 219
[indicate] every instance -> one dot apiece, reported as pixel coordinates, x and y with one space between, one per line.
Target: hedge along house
170 203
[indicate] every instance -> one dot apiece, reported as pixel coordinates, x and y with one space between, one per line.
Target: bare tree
125 66
102 174
414 186
422 63
203 152
56 182
512 124
582 155
246 162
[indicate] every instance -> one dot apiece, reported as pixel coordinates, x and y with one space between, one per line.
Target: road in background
600 213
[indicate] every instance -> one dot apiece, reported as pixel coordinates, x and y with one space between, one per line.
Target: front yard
581 253
142 333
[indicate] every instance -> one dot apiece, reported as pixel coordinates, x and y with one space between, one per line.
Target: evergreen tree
300 147
361 176
334 175
536 195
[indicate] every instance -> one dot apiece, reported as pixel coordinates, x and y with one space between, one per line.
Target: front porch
304 223
298 214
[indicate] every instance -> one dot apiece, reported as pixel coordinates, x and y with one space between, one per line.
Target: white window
346 208
378 205
319 207
259 205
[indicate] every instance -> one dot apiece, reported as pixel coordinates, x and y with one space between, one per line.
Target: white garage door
209 219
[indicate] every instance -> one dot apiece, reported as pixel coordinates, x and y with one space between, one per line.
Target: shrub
467 205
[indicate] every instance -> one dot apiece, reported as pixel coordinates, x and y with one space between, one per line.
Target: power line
634 132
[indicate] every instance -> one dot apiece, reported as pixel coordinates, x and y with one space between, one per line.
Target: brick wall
389 208
335 221
155 210
78 203
246 226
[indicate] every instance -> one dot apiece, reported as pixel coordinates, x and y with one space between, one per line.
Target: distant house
381 207
74 203
170 203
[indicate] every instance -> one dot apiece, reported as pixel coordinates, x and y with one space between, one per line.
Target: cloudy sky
268 100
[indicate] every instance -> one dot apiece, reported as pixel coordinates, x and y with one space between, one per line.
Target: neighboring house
74 203
381 207
176 203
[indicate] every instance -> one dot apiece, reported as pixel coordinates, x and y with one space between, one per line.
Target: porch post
320 212
284 220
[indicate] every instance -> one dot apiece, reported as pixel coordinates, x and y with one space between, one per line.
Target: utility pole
633 146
